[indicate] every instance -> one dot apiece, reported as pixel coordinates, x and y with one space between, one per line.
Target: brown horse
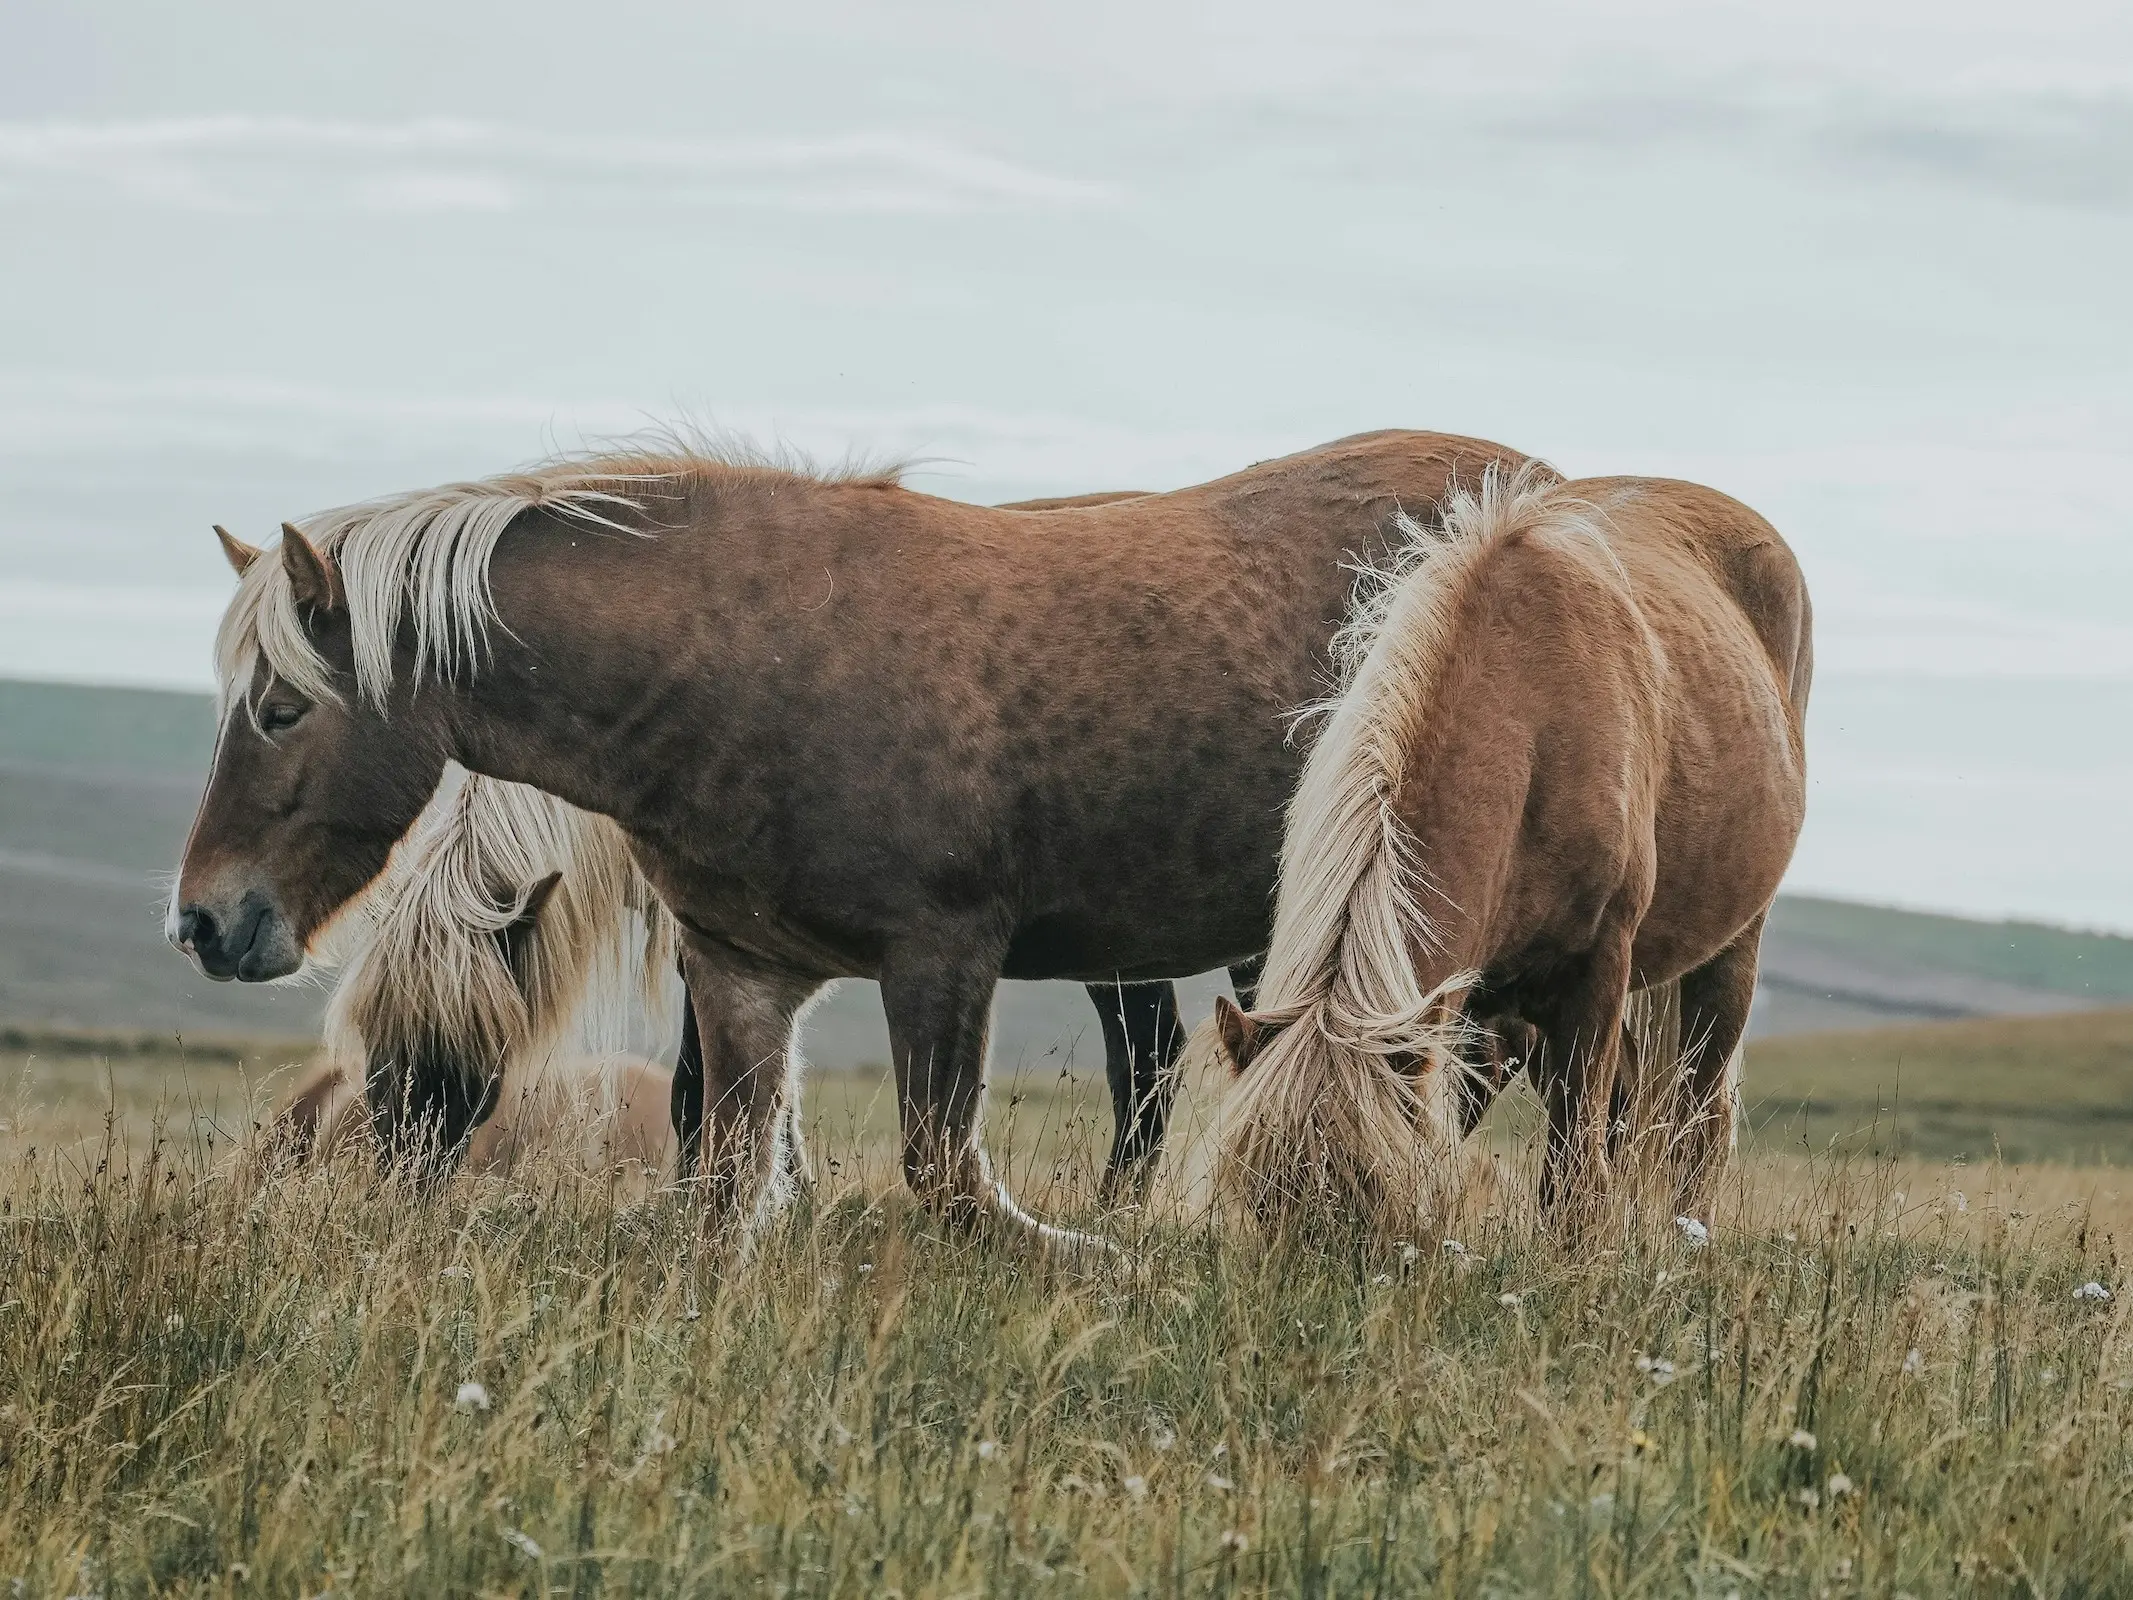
451 983
1569 765
452 980
847 729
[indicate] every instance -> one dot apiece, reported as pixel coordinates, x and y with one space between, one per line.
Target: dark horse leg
744 1103
937 989
1579 1016
1142 1039
1715 999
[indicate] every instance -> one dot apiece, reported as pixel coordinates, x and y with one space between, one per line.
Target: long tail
441 969
1351 1107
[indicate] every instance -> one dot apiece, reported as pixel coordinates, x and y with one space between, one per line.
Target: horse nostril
196 929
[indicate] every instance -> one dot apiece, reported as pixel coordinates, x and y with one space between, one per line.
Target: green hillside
2097 966
147 732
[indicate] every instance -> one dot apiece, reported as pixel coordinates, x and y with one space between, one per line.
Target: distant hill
97 788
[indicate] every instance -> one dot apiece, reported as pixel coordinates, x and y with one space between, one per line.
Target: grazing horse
1568 765
473 964
613 1112
846 729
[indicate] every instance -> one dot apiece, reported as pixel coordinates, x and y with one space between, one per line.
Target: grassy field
2030 1089
220 1378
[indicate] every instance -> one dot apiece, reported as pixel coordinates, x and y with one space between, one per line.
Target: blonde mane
425 554
426 973
1351 1104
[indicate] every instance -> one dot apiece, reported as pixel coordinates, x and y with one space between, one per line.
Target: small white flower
693 1314
1659 1368
1802 1440
1161 1435
1913 1364
866 1269
2092 1291
1215 1480
1809 1499
1791 1237
1233 1540
463 1273
471 1397
1135 1485
1452 1247
1409 1255
1693 1233
1510 1302
1839 1486
988 1448
522 1544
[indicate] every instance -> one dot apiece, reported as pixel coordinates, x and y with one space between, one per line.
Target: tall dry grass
223 1376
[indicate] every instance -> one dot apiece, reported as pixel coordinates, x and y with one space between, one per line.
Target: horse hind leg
1142 1039
1580 1026
1715 1000
938 994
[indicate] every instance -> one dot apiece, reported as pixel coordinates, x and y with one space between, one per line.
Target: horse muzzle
249 941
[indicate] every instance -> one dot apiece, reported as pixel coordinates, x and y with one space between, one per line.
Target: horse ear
538 896
234 550
516 937
1241 1037
312 575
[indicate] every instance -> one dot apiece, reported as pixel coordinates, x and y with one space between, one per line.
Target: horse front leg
747 1087
937 990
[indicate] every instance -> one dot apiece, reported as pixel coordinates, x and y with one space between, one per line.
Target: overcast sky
1866 267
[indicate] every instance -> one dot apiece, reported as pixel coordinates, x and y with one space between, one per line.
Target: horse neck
595 628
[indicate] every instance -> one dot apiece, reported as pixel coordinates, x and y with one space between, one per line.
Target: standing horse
1569 764
847 730
454 983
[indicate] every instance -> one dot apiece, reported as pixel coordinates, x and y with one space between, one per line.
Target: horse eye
281 715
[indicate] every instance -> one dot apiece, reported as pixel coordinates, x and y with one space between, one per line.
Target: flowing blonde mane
427 974
1332 1114
424 555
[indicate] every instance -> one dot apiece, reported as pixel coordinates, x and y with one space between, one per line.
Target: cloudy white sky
1865 266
